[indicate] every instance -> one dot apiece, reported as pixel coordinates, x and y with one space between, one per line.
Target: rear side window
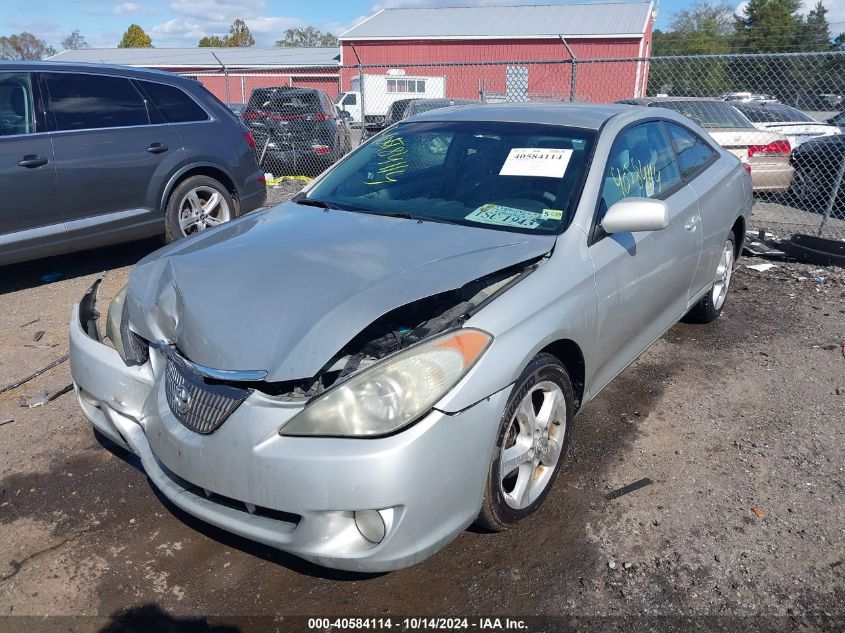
692 151
17 116
174 105
83 102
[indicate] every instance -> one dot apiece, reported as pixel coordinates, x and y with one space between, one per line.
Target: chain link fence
780 114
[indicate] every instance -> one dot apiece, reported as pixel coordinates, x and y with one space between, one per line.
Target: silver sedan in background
402 349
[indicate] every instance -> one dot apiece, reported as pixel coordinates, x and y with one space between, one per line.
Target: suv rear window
283 101
173 104
83 102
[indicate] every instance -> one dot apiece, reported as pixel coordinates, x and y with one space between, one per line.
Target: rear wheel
710 307
198 203
532 441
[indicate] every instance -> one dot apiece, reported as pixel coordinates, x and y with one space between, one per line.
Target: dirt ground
737 425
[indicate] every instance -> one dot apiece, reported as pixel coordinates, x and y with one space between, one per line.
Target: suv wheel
198 203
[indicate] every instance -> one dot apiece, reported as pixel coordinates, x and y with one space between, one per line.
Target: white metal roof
202 57
604 20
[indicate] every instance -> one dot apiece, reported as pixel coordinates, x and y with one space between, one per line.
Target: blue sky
173 23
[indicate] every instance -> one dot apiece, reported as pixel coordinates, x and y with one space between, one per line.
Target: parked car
796 126
838 120
297 130
92 155
406 108
237 108
818 165
766 153
402 348
747 96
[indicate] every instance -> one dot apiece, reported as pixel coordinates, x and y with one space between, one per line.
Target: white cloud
127 7
218 10
201 18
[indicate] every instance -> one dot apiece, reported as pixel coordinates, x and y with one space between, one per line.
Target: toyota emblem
183 400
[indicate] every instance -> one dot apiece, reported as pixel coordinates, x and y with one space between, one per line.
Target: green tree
24 47
239 35
706 28
306 36
213 41
135 37
817 29
770 26
74 41
839 42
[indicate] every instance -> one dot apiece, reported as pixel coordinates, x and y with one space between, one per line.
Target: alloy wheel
532 445
723 276
201 208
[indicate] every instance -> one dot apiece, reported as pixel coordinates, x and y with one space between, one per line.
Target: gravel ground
281 192
737 425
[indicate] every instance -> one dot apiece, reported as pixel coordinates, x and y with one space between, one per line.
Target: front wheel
197 203
710 307
532 441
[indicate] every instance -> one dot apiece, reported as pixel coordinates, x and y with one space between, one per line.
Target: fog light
370 525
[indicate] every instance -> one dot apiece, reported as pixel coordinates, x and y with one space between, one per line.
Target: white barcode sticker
536 161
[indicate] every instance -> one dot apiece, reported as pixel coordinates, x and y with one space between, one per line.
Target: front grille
199 405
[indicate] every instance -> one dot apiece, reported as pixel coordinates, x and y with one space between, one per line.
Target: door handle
31 160
157 148
692 224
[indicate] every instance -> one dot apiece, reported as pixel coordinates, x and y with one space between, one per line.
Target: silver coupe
401 350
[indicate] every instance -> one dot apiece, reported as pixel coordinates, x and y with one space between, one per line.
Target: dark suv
92 155
297 130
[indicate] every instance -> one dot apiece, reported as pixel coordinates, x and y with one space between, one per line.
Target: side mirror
636 214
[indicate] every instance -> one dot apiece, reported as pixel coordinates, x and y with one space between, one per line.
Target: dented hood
286 289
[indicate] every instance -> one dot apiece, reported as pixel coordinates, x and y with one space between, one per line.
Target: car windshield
773 113
397 110
708 114
511 176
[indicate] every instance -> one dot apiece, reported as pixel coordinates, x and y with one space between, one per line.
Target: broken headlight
131 347
113 321
394 392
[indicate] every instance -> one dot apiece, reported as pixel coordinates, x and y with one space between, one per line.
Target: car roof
583 115
103 69
656 100
290 89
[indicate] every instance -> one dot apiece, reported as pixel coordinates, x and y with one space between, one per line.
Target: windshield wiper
397 214
314 202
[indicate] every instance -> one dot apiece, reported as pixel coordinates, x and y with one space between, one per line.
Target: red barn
478 50
230 73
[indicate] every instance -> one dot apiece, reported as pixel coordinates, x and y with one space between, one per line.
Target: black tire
172 232
496 514
708 308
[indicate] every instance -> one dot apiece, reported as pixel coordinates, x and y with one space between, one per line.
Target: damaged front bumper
307 496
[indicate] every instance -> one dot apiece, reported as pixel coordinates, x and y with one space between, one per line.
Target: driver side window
641 164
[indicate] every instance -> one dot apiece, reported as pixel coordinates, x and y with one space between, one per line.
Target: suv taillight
775 148
250 139
320 116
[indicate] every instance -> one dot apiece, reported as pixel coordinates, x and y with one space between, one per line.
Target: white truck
368 103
